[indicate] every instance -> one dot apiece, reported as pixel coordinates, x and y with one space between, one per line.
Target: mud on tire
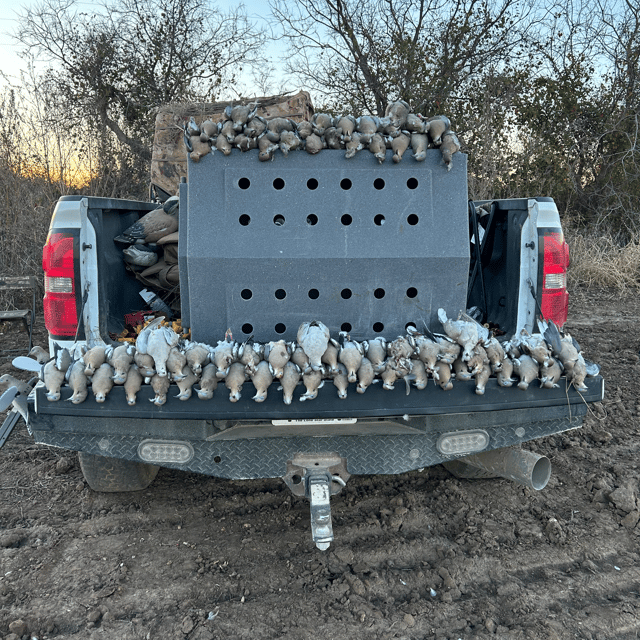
113 474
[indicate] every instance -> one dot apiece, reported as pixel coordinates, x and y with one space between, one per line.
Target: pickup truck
365 247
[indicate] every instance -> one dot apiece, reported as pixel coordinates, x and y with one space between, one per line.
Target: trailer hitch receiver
317 476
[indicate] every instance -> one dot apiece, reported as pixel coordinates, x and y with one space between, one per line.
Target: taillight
60 310
555 297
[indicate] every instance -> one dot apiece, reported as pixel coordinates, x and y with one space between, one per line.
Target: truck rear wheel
465 471
114 474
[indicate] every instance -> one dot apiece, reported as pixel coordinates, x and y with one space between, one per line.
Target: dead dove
320 122
160 386
313 144
450 145
376 351
461 370
415 124
449 349
350 355
399 145
121 359
197 356
526 368
227 131
267 148
367 127
495 353
289 381
304 129
62 358
347 125
503 375
145 364
185 382
255 127
250 354
159 344
437 127
198 148
395 369
192 127
378 147
132 384
419 373
176 361
419 144
276 126
313 337
578 373
482 377
477 360
442 375
241 114
333 138
223 144
102 382
277 354
150 227
366 375
244 142
234 381
400 348
300 358
534 346
312 382
397 113
209 130
15 393
208 382
41 355
341 382
330 356
93 359
289 141
354 145
53 380
78 382
262 379
224 354
427 349
550 374
466 332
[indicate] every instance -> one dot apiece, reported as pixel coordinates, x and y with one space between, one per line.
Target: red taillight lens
555 297
60 312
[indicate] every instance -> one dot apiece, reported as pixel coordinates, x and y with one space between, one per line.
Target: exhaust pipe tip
540 473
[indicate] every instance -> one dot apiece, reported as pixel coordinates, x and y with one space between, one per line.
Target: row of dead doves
398 130
466 351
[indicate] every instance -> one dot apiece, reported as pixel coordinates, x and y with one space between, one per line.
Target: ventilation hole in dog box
346 326
346 184
244 219
412 292
281 294
346 219
312 219
244 183
378 327
247 328
246 294
379 293
346 294
412 183
278 220
312 184
278 184
412 219
314 294
280 328
379 219
410 324
378 183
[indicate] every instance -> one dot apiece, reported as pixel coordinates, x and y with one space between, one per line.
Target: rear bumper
394 433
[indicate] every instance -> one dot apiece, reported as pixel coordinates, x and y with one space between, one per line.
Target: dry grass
598 261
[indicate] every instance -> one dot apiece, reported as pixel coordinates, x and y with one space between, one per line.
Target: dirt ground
417 556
